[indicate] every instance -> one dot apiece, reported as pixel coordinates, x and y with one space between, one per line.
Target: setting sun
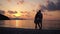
17 15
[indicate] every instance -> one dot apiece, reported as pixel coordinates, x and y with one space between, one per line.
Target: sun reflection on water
18 24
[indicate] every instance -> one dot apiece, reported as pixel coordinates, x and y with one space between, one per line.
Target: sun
17 14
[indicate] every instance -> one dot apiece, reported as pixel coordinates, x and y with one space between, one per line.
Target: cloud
0 4
58 5
9 0
20 2
12 12
52 6
43 7
2 12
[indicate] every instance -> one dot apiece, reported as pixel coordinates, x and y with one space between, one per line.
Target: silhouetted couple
38 20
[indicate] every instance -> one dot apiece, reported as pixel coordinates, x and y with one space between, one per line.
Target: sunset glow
17 15
28 8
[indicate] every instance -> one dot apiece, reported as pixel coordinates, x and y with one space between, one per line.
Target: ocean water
29 24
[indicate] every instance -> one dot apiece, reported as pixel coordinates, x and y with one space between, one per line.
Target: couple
38 20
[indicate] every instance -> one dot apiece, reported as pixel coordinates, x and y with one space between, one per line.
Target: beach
26 31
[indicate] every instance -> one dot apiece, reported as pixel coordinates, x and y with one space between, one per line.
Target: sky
28 8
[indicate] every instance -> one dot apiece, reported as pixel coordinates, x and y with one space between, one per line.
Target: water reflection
24 24
17 23
10 23
47 24
1 23
7 23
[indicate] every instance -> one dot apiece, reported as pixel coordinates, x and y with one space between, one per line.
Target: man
38 20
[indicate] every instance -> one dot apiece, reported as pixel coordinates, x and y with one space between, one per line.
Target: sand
4 30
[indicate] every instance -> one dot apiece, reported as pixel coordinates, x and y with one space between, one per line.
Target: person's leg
39 25
35 25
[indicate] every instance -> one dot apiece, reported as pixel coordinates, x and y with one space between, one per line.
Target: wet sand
5 30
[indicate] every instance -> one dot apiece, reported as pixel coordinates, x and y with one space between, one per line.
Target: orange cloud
0 4
20 2
9 1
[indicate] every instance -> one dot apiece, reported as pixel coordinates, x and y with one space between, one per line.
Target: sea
29 24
